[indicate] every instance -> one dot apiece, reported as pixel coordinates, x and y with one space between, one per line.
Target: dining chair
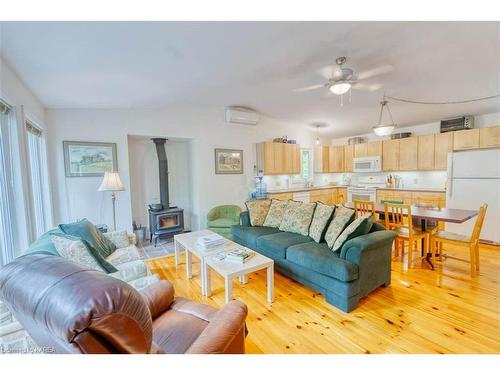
472 241
398 219
363 207
429 203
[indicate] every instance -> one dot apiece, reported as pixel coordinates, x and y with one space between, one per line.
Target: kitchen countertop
302 189
296 190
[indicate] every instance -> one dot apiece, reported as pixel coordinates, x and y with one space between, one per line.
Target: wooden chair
362 207
472 242
398 219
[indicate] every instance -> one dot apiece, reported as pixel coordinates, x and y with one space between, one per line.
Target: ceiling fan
342 79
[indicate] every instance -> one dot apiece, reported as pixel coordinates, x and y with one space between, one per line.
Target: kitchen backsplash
409 179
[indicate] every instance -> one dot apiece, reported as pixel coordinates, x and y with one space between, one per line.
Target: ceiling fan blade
309 88
326 72
366 87
383 69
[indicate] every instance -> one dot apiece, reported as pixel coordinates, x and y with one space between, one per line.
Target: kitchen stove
366 189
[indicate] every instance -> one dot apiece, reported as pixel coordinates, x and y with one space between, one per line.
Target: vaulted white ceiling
258 64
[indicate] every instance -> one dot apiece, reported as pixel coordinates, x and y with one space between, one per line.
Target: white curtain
7 211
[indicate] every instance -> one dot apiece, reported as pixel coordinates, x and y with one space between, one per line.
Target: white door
471 194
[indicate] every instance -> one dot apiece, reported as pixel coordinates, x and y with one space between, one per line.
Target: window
306 170
37 168
6 188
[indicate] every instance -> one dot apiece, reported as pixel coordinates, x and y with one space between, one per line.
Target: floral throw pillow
119 238
75 250
297 217
275 214
341 218
358 227
258 209
322 215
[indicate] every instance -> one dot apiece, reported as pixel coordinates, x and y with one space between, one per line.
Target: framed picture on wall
228 161
89 159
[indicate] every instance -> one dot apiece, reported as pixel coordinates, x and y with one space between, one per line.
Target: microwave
368 164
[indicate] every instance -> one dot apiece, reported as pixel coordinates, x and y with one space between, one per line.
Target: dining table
426 215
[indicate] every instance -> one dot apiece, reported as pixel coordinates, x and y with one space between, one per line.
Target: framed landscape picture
89 159
228 161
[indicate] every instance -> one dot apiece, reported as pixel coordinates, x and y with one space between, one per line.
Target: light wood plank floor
424 311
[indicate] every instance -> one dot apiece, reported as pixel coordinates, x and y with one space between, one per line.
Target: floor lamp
112 182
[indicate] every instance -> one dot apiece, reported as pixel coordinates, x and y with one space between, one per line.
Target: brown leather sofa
69 309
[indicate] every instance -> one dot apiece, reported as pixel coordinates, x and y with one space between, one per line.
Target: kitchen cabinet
321 159
408 158
336 162
426 152
390 155
348 156
443 144
362 150
466 139
489 137
374 148
278 158
341 196
326 196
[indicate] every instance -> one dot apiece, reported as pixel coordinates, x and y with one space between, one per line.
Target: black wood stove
163 219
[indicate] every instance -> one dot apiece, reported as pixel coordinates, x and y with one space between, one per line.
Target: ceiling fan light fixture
340 88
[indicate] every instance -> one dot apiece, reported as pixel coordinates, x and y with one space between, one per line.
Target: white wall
144 181
77 197
15 92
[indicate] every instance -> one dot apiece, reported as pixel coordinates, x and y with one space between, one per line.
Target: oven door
360 194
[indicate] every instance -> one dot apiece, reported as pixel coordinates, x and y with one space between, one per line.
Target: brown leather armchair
67 308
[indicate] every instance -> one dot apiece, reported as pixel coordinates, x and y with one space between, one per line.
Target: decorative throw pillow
74 249
87 231
257 209
358 227
119 238
275 214
341 218
297 217
322 215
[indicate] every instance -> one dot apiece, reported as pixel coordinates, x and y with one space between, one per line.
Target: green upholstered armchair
221 218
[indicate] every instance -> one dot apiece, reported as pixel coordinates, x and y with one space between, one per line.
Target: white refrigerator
474 179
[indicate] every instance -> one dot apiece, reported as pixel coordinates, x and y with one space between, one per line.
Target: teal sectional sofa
362 264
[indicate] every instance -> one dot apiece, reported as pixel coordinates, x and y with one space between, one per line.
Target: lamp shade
111 182
340 88
383 130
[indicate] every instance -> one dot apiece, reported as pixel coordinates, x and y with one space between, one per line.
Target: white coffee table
187 242
230 270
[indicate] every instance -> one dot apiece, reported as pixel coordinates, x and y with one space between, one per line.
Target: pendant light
318 142
383 130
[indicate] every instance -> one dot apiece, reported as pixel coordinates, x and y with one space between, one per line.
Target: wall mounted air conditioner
237 115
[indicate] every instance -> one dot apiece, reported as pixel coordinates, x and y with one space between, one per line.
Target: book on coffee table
239 256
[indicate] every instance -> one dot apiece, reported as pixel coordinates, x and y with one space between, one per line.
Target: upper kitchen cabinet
390 155
336 161
426 152
489 137
348 156
278 158
321 159
465 139
443 144
408 155
362 150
